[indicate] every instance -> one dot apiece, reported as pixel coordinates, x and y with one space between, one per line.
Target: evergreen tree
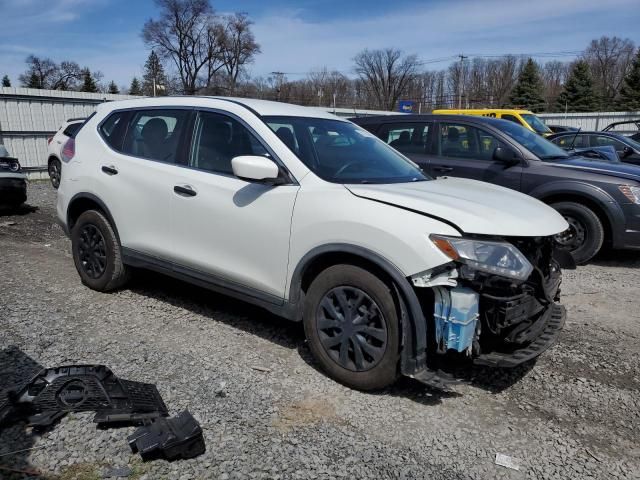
578 94
630 91
88 83
5 81
135 89
113 88
154 71
34 81
528 91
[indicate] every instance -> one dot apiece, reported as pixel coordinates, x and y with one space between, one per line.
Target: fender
413 322
604 200
90 196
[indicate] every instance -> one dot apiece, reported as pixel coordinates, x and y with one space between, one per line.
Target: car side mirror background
505 155
626 151
255 168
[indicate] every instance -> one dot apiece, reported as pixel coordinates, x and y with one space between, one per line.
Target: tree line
193 50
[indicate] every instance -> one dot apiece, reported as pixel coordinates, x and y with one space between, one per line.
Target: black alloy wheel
92 251
351 328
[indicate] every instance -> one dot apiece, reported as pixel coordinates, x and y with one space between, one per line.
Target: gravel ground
574 414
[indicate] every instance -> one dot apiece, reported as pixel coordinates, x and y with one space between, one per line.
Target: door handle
185 190
110 170
443 169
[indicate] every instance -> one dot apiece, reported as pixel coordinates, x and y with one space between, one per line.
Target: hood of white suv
473 206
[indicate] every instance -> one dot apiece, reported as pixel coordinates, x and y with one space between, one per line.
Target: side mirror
626 151
255 168
505 155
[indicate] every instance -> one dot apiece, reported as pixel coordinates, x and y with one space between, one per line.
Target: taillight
49 140
69 150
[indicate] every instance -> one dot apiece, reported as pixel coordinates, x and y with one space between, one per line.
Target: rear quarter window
112 130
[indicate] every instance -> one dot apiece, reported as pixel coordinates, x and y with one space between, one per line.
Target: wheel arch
600 202
52 158
412 321
81 202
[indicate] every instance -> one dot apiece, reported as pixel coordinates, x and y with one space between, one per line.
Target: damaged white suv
315 219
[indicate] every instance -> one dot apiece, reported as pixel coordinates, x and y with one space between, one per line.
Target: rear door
135 178
412 139
464 150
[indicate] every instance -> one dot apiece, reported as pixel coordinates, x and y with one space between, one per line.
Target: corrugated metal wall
29 116
592 121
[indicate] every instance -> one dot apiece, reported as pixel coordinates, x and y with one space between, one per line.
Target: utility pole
279 81
461 80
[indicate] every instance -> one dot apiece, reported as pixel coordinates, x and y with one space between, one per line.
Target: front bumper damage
489 320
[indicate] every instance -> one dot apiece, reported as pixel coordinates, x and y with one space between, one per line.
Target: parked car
316 220
600 200
628 150
561 128
524 118
13 182
56 143
634 136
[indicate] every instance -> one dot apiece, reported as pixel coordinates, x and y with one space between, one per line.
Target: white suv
315 219
56 145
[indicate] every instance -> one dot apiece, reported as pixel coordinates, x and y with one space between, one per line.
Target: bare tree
609 59
239 46
47 74
385 74
554 75
183 33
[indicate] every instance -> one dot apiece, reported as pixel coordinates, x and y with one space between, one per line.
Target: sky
299 36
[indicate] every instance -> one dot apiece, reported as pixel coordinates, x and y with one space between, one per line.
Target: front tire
351 323
55 172
96 253
585 235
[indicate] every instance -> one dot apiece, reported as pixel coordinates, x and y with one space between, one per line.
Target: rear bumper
552 323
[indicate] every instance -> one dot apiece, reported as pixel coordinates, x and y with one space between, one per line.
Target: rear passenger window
155 134
218 139
72 129
407 137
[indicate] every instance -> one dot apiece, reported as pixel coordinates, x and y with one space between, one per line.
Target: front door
235 230
467 151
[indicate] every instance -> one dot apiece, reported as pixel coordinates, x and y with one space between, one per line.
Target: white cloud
292 44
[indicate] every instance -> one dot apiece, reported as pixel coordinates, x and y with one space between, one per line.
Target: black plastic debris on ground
54 392
49 395
173 438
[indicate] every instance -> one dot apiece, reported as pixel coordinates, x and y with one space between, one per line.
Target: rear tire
585 235
351 323
97 253
55 172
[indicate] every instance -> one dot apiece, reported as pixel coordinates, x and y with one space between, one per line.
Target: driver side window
217 139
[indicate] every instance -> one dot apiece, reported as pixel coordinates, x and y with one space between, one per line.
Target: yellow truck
522 117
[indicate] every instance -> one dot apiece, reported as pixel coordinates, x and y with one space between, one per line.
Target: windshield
542 148
341 152
535 123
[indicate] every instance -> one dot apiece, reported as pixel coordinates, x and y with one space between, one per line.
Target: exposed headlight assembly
632 193
498 258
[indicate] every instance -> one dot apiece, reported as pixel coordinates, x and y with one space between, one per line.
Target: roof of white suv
261 107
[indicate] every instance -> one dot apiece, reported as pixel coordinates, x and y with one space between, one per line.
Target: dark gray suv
600 200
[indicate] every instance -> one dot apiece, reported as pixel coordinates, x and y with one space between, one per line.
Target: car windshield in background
341 152
535 123
542 148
